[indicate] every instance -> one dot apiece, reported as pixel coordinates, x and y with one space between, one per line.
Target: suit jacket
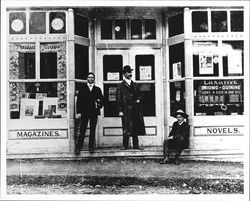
132 120
180 132
89 101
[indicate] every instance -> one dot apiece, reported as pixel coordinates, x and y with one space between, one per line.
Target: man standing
89 102
178 137
129 97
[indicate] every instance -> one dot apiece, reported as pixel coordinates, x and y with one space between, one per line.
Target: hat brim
180 113
129 71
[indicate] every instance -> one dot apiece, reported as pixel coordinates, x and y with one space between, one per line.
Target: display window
218 97
144 75
233 58
205 58
30 94
176 61
177 96
176 25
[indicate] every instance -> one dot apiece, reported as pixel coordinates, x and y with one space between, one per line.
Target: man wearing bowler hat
129 98
178 137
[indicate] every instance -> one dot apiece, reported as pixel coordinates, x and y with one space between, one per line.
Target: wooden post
71 79
188 69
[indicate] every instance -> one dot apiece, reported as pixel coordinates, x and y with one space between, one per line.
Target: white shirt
180 123
90 86
128 81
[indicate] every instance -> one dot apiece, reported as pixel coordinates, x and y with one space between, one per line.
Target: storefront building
189 58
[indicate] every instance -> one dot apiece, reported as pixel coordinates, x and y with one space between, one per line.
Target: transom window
128 29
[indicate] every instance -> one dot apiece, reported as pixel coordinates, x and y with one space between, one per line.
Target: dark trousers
125 140
175 144
84 123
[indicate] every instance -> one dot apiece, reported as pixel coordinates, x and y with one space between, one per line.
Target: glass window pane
26 65
112 67
110 105
233 58
237 21
120 29
199 21
177 96
205 58
17 23
148 103
31 100
106 29
145 67
176 25
81 61
37 23
48 65
81 26
57 22
219 21
176 61
218 97
150 29
136 29
22 60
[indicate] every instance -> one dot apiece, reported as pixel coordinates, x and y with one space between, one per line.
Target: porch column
71 81
189 96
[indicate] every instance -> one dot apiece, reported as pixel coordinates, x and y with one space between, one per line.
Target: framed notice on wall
112 93
206 63
113 76
145 72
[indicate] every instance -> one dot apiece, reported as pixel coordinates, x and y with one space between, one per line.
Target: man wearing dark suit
178 137
89 102
129 97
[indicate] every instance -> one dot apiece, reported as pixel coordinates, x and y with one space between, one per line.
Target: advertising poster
177 70
50 107
206 63
112 93
145 73
235 62
29 108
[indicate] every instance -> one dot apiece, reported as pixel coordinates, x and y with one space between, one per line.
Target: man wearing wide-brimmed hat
129 98
178 137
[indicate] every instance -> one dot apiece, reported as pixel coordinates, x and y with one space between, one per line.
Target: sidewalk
226 177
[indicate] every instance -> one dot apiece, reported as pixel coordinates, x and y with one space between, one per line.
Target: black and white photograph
125 100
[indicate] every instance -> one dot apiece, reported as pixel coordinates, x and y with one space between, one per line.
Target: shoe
177 162
91 151
165 161
124 148
77 152
139 148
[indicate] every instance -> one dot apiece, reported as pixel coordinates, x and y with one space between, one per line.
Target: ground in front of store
123 175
